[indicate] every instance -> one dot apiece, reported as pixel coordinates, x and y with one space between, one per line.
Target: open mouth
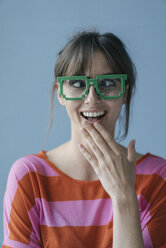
92 117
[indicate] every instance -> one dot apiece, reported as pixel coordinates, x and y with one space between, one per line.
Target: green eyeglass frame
90 82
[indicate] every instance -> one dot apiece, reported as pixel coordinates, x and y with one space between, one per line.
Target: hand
115 170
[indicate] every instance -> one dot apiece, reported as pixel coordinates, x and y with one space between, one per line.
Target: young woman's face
92 102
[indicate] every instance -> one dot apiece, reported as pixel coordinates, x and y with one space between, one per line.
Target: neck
79 160
75 152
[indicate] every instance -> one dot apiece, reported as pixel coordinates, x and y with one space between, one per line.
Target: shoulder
28 177
151 164
33 163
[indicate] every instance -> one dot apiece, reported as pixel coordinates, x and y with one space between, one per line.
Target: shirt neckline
42 154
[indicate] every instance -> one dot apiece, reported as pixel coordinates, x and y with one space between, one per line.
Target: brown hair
77 54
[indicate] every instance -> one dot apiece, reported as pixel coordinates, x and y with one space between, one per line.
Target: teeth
93 114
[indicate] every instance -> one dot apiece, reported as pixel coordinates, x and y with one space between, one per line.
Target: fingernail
96 124
80 146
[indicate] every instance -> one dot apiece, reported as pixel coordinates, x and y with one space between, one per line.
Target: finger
106 135
98 140
93 146
131 153
91 159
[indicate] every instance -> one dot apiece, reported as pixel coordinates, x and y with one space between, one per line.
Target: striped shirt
43 207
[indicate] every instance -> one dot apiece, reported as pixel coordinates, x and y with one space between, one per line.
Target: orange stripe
79 237
28 190
153 187
67 190
56 189
22 202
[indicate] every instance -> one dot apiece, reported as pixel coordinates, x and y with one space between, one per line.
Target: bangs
81 59
75 58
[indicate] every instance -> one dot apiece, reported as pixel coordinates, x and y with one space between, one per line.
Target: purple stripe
20 168
73 213
152 165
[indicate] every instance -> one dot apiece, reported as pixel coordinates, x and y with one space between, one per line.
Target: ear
125 95
60 98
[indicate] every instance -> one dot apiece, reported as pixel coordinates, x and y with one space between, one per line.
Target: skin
101 158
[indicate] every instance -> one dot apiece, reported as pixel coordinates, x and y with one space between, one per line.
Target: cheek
72 108
115 109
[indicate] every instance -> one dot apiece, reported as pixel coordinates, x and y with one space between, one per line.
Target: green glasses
107 86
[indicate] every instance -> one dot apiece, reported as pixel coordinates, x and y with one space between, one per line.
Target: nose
92 96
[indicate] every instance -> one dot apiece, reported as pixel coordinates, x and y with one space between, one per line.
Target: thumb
131 153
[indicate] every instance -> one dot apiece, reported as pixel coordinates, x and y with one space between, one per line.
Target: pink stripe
15 244
34 218
34 242
147 238
151 165
72 213
144 211
32 163
145 218
20 168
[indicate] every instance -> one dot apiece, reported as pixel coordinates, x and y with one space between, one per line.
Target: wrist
126 221
126 199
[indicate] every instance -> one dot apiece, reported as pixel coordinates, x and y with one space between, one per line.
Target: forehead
99 65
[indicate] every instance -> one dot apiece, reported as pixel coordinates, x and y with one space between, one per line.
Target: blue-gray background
31 34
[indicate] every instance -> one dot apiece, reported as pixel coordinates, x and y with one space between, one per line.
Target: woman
90 191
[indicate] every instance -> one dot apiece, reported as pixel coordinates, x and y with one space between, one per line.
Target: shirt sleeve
157 224
154 232
21 214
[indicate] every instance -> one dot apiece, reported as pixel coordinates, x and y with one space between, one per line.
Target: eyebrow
106 73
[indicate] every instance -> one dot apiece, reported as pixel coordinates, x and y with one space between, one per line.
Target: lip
93 111
91 122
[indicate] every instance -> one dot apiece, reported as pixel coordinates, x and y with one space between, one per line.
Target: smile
93 116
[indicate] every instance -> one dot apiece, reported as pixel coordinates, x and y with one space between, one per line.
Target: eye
77 83
108 83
